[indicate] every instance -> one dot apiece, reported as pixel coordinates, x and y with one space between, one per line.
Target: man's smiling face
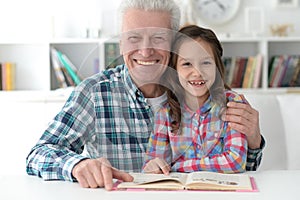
145 44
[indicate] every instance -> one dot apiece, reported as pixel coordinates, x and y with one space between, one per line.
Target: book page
173 181
215 180
142 178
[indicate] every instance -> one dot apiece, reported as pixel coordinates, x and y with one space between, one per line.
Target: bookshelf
267 47
83 53
34 71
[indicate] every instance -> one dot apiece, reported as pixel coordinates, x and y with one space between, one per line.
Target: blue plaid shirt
106 116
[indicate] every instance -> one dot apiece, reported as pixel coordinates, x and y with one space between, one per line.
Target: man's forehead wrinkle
152 30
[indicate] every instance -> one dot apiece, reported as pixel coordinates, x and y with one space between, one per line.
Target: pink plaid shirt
206 143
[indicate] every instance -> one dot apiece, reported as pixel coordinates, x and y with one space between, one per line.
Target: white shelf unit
33 65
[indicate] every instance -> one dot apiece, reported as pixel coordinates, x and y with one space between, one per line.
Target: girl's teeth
197 83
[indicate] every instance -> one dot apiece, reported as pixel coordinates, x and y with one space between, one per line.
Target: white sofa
23 118
280 126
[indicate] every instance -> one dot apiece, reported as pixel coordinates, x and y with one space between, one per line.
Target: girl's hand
157 166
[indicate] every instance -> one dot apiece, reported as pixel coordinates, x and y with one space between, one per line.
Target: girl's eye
186 64
207 63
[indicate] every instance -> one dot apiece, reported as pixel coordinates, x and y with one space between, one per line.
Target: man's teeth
146 62
197 83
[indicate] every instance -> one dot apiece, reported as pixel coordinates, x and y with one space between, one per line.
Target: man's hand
93 173
245 119
157 166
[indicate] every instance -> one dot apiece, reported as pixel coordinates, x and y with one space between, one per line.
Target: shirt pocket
213 141
183 144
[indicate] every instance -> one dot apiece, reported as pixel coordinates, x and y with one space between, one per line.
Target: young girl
189 134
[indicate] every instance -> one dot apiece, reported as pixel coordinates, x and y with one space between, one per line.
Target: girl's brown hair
175 91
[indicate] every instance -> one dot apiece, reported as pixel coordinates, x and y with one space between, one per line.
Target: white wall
35 19
272 15
44 19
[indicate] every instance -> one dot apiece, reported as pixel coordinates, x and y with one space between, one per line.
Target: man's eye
134 39
157 40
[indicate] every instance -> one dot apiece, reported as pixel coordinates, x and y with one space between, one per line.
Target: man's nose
146 48
146 52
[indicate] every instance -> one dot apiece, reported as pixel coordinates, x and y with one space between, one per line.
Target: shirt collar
203 110
132 88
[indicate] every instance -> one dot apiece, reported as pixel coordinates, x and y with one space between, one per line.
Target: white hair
152 5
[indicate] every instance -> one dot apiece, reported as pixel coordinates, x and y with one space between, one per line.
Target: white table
271 184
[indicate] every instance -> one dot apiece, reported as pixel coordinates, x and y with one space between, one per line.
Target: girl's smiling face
196 69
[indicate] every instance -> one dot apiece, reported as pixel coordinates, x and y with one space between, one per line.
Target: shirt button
196 115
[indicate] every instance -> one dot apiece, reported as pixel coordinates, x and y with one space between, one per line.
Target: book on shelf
227 65
200 180
8 71
235 67
280 70
257 71
278 67
0 76
231 71
3 76
295 81
283 71
65 71
58 69
69 67
243 72
289 70
253 72
96 66
246 81
242 66
68 79
72 66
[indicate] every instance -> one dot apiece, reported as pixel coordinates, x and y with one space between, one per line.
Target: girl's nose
196 71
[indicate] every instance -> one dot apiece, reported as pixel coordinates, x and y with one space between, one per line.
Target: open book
201 180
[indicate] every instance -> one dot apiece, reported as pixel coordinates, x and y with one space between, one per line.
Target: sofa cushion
271 125
290 111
